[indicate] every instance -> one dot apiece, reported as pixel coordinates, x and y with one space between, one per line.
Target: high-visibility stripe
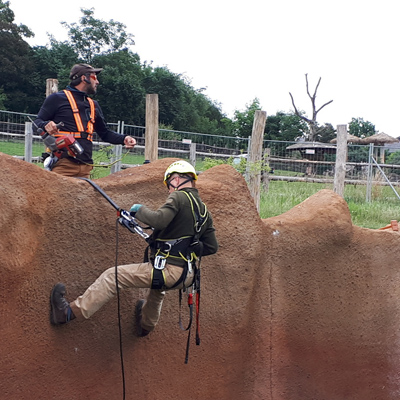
90 126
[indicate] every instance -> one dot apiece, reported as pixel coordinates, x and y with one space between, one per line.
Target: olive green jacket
175 219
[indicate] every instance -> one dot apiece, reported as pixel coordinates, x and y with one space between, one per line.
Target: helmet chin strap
182 183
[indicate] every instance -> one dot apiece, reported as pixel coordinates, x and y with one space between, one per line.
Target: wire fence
290 161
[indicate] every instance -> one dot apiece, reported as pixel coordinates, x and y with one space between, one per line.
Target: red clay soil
300 306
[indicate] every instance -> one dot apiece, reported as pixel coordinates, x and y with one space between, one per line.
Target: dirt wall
299 306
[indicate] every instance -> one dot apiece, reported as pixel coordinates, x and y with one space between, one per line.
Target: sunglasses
92 76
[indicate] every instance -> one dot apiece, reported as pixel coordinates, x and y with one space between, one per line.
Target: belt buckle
159 262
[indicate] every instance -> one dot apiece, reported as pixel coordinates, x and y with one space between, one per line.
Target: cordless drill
58 145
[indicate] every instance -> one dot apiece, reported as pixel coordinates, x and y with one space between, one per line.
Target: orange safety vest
78 120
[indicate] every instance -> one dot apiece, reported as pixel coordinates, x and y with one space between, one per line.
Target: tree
243 120
182 107
7 24
3 99
286 127
121 92
326 133
360 128
312 123
93 36
16 64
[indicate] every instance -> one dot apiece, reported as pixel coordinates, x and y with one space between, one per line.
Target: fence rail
284 162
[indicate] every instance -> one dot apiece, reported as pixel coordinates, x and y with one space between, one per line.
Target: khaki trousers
69 168
129 276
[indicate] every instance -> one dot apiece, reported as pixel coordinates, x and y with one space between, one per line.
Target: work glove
135 209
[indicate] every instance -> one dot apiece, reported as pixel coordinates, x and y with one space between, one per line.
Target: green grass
104 156
16 148
384 207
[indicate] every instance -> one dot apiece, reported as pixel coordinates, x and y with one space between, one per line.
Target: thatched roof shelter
379 139
350 139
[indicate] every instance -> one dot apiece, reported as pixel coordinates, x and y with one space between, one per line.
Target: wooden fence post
151 133
255 156
265 171
192 154
51 86
341 157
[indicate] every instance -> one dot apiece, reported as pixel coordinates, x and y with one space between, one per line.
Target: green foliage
357 154
121 93
3 99
359 127
16 64
243 120
55 61
7 24
393 158
325 133
93 36
239 163
286 127
180 105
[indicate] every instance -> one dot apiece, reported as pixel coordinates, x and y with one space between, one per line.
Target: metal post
28 142
117 151
369 173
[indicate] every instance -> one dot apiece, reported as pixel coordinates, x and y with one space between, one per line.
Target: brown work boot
61 312
138 318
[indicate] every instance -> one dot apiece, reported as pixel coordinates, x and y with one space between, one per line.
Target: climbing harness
82 132
188 248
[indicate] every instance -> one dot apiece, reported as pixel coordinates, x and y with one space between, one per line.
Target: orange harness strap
78 120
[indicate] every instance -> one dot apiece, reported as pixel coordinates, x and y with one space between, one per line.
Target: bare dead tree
312 123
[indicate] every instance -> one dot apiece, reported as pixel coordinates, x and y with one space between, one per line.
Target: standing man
81 116
183 232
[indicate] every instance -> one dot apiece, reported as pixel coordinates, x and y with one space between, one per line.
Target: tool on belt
58 145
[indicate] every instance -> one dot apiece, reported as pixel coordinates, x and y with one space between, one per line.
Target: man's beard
91 90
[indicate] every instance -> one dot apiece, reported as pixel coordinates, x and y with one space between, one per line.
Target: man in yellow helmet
183 232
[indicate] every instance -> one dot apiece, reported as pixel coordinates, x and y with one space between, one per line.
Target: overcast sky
259 48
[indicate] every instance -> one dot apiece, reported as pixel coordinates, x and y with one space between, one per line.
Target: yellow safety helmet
180 167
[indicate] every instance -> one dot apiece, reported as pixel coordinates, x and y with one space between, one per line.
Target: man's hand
51 128
130 142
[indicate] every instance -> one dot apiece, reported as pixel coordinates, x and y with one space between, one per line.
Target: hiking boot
61 312
138 317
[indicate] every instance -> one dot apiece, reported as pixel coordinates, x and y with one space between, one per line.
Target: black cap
82 69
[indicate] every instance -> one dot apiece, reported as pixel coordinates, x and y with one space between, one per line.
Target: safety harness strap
157 278
177 248
83 133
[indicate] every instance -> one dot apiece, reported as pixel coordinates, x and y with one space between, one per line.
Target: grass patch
385 206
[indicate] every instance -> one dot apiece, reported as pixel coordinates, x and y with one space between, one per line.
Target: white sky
240 50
